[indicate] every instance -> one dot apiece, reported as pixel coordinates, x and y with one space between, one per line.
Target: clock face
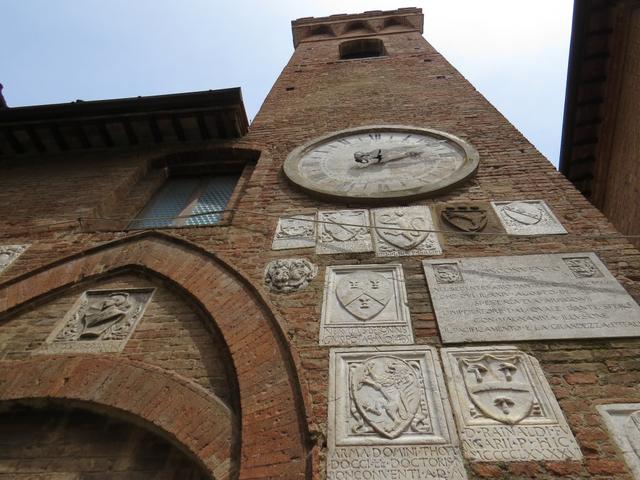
374 164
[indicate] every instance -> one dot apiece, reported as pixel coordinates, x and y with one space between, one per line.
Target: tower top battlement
373 22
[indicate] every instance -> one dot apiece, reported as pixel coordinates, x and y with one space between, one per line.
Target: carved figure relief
404 231
9 254
295 232
388 397
364 294
498 387
528 217
447 273
582 267
343 231
466 218
101 321
365 305
289 274
623 423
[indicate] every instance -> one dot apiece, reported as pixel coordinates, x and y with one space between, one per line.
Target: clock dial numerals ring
378 164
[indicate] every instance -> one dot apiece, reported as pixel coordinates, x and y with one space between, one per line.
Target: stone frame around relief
307 239
143 297
360 240
433 389
429 245
14 253
544 226
616 427
391 326
476 427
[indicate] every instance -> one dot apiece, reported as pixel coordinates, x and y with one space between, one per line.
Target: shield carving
466 218
498 387
364 294
386 392
632 431
522 212
410 223
340 226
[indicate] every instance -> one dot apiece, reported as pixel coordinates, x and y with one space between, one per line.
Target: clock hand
378 156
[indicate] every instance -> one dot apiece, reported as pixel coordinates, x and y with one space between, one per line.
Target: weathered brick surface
273 338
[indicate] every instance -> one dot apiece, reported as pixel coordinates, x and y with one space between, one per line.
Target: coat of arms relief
405 231
100 321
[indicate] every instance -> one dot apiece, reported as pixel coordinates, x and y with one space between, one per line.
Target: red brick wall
57 443
316 94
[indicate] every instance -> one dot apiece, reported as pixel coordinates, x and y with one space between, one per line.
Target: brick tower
380 278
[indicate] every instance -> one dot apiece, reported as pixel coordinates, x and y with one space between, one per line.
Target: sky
513 51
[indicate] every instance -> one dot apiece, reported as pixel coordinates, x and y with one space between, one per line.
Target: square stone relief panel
623 422
9 254
100 321
344 231
528 217
365 305
504 407
296 231
529 297
403 231
389 415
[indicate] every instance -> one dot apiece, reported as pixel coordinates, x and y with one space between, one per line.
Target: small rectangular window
188 201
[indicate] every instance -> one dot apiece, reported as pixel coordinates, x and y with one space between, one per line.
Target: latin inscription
530 297
505 408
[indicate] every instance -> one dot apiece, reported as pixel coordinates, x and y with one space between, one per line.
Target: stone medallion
365 305
9 254
389 412
404 231
528 217
100 321
298 231
469 223
343 231
505 408
623 422
289 274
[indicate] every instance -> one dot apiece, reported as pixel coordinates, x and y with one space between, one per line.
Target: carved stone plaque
402 231
9 254
365 305
100 321
389 416
297 231
344 231
289 274
529 297
528 217
505 409
469 223
623 422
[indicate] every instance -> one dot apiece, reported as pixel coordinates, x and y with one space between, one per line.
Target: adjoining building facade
380 278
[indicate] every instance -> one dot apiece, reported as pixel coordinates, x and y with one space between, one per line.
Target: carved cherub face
288 275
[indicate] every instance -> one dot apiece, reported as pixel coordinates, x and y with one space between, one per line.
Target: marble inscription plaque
344 231
623 422
401 231
389 416
365 305
528 217
469 223
9 254
297 231
529 297
505 409
100 321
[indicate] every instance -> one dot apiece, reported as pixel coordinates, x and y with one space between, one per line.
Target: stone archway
274 436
